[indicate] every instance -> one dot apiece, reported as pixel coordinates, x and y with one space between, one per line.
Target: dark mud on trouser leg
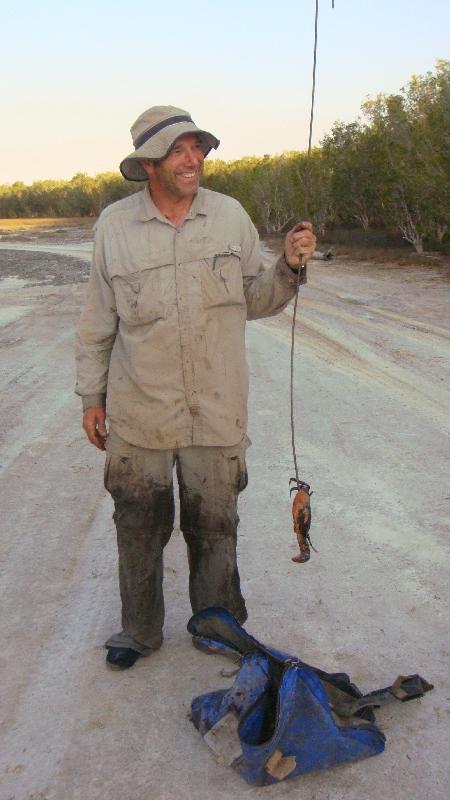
210 480
141 537
144 514
213 573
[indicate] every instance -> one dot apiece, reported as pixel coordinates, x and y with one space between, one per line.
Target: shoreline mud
372 371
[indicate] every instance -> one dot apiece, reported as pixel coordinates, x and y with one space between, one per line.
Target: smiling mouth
188 175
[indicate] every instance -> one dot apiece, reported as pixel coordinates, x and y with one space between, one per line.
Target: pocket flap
133 267
204 250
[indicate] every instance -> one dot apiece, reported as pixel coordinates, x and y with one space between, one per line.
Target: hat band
144 137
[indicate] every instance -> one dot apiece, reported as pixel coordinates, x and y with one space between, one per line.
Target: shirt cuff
90 400
283 268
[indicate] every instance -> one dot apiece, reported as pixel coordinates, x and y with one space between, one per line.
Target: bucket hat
154 133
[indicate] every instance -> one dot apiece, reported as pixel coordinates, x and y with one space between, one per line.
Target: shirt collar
198 205
150 211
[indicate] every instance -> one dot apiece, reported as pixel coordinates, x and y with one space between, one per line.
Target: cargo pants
210 480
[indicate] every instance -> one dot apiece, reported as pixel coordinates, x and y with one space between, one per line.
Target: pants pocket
123 477
106 471
237 465
243 476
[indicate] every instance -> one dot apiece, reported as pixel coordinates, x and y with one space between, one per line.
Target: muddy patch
39 269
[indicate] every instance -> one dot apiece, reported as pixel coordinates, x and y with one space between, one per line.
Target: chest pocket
140 295
221 278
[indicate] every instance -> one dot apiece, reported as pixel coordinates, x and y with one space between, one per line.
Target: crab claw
301 558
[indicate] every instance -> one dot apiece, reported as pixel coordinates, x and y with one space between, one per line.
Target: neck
173 208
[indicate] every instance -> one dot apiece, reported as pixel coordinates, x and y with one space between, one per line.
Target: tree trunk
441 230
409 226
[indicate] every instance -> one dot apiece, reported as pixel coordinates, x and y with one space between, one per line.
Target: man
176 272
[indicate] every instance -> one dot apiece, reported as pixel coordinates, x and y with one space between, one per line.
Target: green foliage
81 196
394 168
389 169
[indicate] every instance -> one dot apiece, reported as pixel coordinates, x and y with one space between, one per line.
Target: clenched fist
299 245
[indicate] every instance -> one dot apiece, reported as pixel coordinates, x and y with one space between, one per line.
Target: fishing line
300 269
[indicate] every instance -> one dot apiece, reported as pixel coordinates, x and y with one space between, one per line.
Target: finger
101 427
98 440
100 433
302 251
303 243
100 443
92 434
302 226
306 235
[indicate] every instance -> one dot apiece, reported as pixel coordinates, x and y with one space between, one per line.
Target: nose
194 156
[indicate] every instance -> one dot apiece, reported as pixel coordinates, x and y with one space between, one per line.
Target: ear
148 167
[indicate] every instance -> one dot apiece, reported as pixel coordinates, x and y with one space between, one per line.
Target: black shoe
121 657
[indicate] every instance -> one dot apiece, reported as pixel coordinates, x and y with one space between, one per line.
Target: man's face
178 174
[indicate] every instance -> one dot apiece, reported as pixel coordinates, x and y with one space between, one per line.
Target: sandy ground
373 411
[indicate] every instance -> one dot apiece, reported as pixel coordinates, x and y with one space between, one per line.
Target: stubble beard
175 187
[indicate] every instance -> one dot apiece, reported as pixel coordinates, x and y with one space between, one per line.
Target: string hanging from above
301 506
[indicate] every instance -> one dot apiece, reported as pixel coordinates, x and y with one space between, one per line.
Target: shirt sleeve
97 329
267 291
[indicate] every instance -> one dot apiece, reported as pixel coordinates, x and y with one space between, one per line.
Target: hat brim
158 147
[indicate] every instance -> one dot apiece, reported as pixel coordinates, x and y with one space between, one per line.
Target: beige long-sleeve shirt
162 333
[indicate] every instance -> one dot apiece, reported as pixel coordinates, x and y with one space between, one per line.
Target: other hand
94 424
299 244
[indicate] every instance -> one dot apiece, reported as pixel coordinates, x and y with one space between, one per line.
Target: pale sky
76 75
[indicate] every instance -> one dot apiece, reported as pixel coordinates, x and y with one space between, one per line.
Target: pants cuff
124 639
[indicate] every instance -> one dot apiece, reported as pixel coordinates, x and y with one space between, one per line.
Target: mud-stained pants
210 479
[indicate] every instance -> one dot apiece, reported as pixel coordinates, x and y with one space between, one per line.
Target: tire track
351 355
410 329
